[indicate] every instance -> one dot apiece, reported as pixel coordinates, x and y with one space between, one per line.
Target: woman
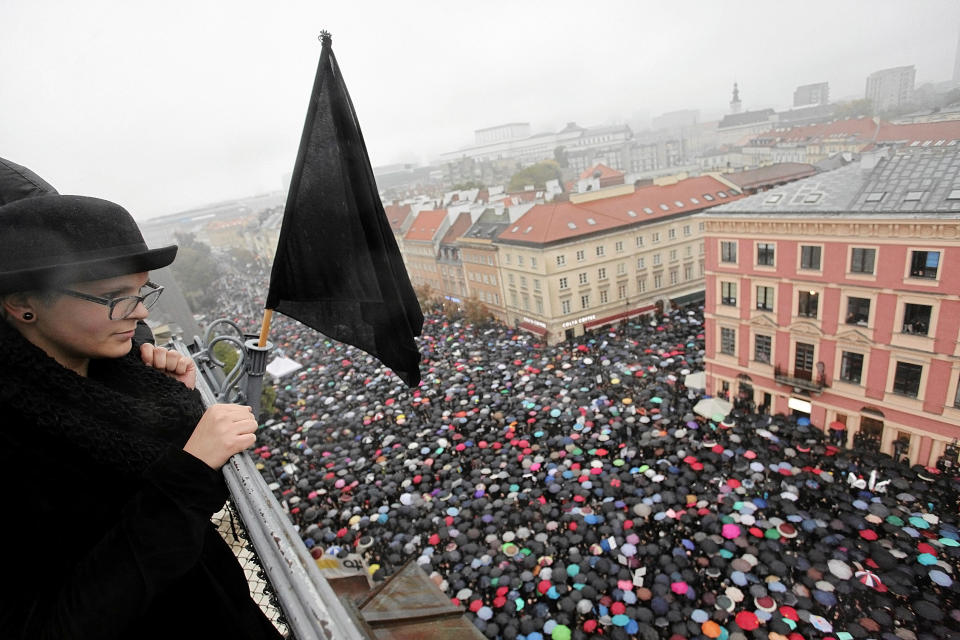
110 466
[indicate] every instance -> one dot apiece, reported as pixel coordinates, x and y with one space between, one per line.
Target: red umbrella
747 620
868 578
836 425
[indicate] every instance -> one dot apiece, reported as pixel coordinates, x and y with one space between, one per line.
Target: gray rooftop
905 179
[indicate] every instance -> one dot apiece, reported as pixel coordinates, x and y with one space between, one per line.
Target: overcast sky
164 106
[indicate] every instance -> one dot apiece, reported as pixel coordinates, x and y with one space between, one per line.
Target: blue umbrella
927 559
940 578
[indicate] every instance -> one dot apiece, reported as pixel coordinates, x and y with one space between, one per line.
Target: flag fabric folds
337 267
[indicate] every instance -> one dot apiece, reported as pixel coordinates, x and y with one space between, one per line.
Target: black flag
337 267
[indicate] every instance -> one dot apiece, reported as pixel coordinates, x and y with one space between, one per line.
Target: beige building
606 256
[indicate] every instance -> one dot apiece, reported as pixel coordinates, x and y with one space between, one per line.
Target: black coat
107 520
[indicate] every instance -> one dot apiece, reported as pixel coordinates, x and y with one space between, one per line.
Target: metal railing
311 609
807 384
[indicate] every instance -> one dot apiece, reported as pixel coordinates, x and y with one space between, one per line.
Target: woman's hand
224 429
178 367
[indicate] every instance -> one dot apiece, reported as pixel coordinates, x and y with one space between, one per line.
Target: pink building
838 297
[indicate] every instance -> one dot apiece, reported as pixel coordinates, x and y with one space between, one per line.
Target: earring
28 315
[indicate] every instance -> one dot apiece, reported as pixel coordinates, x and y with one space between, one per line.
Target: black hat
54 240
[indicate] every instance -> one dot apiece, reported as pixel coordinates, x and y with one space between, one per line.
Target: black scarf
122 416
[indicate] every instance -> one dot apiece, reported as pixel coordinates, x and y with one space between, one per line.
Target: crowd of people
572 490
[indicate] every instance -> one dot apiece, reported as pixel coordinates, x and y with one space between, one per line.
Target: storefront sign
573 323
536 323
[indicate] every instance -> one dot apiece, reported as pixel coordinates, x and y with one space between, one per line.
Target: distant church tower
735 103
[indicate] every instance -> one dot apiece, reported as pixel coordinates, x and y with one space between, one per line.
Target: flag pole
265 327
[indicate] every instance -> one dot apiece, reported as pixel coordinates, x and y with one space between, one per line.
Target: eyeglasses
121 308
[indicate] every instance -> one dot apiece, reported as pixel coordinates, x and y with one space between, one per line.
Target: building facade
891 88
807 94
837 297
571 267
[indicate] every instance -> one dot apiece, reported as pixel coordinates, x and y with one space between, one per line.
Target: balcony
813 385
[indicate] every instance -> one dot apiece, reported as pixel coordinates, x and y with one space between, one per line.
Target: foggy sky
167 106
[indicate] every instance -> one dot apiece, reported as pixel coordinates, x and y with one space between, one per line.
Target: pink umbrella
730 531
679 588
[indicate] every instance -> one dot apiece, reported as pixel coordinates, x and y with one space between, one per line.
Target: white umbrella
710 407
696 380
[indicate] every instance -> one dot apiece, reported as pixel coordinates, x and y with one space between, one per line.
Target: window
728 341
602 273
688 250
523 282
639 241
906 379
765 254
582 277
519 261
580 255
622 268
861 260
809 302
728 251
585 301
810 257
513 298
510 279
563 283
728 293
600 250
508 258
765 298
533 263
539 302
536 284
621 292
916 319
688 272
641 263
875 196
603 297
641 285
674 276
858 311
686 230
656 259
561 260
924 264
657 281
913 196
656 236
761 348
565 306
671 233
526 302
618 246
851 367
673 255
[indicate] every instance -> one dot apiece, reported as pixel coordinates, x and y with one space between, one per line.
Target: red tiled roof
557 221
396 214
425 226
458 228
866 130
921 132
605 172
772 174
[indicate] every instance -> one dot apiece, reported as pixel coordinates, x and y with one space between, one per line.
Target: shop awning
617 316
690 298
532 328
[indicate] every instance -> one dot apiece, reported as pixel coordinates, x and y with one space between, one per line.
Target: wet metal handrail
310 606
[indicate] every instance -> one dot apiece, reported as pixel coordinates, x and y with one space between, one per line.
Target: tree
469 184
560 156
537 174
426 296
196 270
476 313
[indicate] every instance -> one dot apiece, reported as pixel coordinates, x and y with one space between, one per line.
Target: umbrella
697 380
839 569
868 578
709 407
